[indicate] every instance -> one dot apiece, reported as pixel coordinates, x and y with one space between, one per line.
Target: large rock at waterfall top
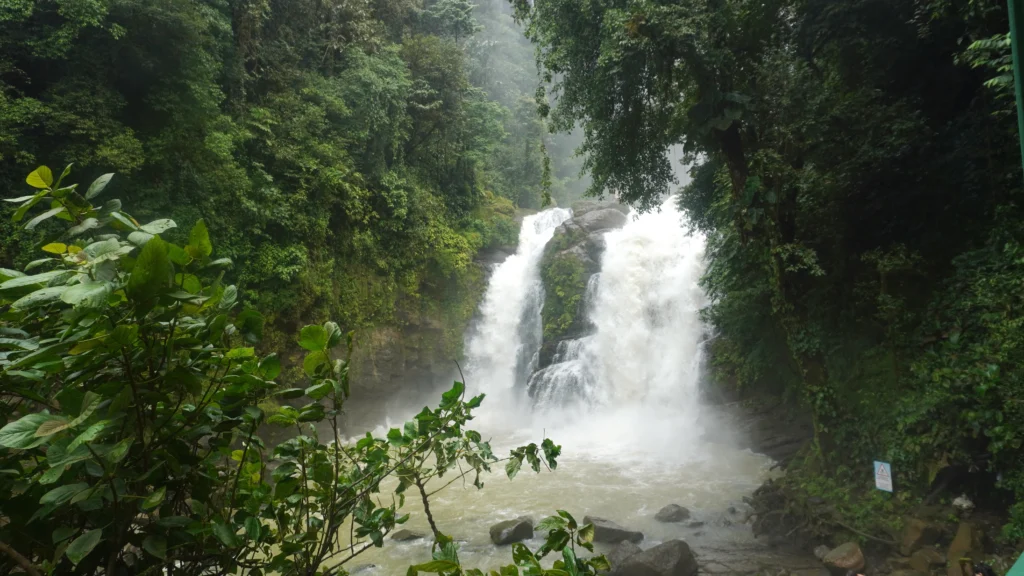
512 531
673 558
570 258
844 558
583 207
672 513
609 532
598 220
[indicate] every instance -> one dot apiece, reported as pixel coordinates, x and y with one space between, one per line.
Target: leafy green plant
565 537
133 397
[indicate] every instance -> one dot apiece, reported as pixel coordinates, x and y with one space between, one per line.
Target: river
623 401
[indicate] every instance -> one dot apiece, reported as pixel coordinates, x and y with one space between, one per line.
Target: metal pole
1016 23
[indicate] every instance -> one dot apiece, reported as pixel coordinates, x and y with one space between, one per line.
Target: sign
883 476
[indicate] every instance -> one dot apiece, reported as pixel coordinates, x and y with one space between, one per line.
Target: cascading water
502 346
622 401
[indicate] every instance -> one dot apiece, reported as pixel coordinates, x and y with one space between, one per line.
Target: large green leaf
152 273
38 279
97 186
51 427
155 545
433 567
43 217
154 499
199 245
225 534
62 494
41 177
89 294
21 433
83 545
85 226
40 297
314 337
158 226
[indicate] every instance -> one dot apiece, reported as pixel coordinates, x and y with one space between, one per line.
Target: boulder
739 513
821 551
924 559
844 558
673 558
672 513
621 553
611 533
917 533
582 207
404 535
512 531
603 219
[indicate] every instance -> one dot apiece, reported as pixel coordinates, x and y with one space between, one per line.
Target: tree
133 397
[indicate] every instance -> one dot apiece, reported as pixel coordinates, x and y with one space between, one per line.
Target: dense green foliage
132 400
857 174
351 158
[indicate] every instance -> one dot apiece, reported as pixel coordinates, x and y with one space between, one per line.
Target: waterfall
501 349
631 386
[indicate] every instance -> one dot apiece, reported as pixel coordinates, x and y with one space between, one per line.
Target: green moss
565 281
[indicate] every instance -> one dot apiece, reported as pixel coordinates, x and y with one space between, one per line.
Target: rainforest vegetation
857 172
247 177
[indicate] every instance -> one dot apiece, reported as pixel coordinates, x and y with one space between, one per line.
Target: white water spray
501 348
634 383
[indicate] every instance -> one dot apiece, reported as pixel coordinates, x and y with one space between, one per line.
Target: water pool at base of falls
623 401
629 491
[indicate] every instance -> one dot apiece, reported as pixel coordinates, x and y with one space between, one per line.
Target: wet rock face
672 513
512 531
924 559
673 558
609 532
624 551
603 219
917 533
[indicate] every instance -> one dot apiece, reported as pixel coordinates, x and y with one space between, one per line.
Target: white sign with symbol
883 476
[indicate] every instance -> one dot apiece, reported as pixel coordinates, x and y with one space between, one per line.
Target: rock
917 533
673 558
603 219
672 513
966 543
582 207
821 551
404 535
611 533
844 558
739 513
924 559
621 553
511 531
